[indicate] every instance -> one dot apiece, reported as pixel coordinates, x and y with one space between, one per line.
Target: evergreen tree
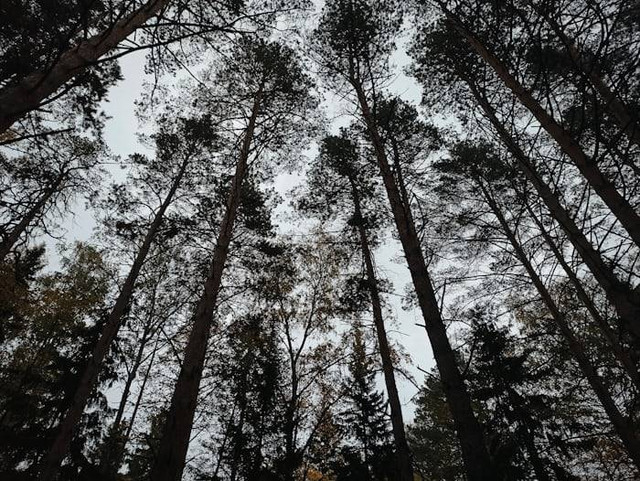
365 420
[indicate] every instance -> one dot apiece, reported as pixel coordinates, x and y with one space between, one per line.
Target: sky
120 136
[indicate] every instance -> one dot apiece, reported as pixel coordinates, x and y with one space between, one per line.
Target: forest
319 240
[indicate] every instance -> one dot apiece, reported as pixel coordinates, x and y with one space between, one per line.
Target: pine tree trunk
620 353
405 471
174 444
109 464
62 441
136 406
622 425
12 237
624 299
31 91
469 431
619 206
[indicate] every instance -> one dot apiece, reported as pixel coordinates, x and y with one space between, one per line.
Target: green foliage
364 420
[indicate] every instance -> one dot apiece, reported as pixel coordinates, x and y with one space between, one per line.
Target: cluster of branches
192 339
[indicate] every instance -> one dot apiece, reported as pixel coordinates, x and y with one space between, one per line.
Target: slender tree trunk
130 378
405 471
534 458
62 441
174 444
108 467
619 206
136 406
12 237
623 426
290 461
470 433
624 299
32 90
627 122
620 353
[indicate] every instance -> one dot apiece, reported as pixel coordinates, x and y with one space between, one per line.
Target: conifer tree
193 136
340 178
354 40
269 78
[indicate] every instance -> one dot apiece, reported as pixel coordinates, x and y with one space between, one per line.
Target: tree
354 40
482 167
43 183
87 40
60 325
340 178
193 136
365 419
451 63
620 206
268 75
432 435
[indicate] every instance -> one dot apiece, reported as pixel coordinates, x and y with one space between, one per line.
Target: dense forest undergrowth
196 335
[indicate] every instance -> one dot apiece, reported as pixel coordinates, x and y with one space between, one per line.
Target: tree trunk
32 90
624 299
62 441
12 237
136 406
174 444
622 425
405 471
470 433
619 206
620 353
109 464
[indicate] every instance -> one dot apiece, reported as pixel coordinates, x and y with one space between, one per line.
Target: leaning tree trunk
12 237
32 90
405 471
127 435
606 190
109 464
623 427
170 459
469 431
69 424
624 299
621 354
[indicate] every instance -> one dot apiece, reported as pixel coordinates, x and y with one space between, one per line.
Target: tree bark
624 299
12 237
62 441
405 471
623 426
619 206
620 353
475 455
32 90
174 444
